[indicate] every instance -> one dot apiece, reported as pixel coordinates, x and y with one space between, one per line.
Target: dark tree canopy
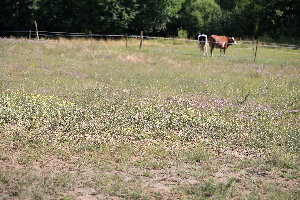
239 18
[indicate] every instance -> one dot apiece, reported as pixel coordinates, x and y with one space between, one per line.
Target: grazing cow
221 42
203 43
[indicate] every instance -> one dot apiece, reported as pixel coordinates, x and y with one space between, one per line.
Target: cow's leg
204 48
211 49
220 52
200 50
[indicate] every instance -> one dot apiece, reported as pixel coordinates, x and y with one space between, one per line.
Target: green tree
200 16
116 15
105 16
17 15
57 15
279 18
275 18
153 16
239 18
228 5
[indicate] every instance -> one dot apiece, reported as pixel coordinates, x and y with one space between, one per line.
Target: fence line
49 34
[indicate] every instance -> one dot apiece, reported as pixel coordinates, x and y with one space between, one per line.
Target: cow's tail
211 44
211 41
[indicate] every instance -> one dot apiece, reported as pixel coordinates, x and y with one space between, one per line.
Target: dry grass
82 120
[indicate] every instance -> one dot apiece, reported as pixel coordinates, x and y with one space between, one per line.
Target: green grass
147 123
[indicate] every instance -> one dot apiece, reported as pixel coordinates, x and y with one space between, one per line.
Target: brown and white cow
203 44
221 42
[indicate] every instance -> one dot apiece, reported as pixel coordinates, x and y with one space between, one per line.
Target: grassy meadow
83 119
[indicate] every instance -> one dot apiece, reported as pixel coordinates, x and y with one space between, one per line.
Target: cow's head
231 40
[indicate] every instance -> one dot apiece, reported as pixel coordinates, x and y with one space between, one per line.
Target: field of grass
96 120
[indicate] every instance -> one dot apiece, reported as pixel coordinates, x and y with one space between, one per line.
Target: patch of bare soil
157 183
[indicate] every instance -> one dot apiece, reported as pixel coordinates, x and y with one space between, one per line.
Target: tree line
239 18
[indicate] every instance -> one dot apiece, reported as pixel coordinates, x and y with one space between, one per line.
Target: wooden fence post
36 30
256 49
253 45
126 36
30 35
141 43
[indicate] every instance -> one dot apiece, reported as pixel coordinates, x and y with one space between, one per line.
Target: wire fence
57 35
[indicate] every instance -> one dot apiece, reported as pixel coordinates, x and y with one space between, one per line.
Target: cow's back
218 41
212 38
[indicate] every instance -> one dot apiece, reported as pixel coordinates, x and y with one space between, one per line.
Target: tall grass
157 91
81 94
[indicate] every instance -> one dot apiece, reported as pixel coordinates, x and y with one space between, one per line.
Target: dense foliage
275 18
